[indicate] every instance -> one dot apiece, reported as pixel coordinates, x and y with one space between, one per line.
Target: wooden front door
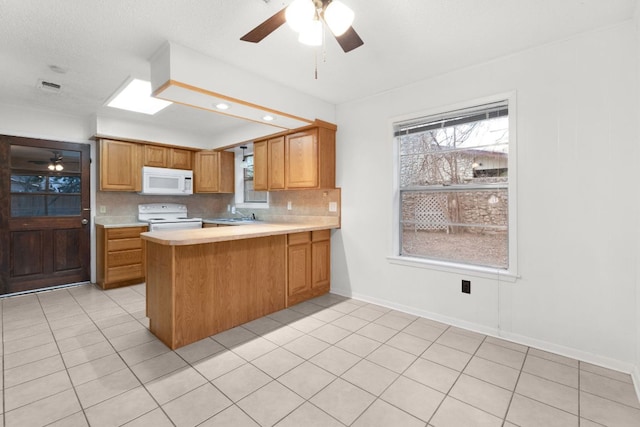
44 213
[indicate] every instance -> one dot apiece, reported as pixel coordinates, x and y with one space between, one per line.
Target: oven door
164 226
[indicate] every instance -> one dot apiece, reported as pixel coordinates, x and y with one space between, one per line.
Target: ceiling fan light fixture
55 163
338 17
311 35
299 14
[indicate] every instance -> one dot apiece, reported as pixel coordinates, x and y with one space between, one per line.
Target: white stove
167 216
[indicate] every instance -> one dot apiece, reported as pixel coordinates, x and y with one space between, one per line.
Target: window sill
450 267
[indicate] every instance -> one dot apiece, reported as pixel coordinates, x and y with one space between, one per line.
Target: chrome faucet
245 216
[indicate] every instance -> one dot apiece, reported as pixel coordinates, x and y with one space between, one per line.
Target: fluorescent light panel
136 96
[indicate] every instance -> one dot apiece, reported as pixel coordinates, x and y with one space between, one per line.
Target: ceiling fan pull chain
315 57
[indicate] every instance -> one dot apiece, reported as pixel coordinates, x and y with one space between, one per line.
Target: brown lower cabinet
120 256
309 265
195 290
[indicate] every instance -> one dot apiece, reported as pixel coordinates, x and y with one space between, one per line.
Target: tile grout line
457 378
123 361
513 393
400 375
66 369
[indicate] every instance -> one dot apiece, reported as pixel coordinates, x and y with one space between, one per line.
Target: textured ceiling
100 43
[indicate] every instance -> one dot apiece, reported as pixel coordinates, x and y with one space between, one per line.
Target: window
250 195
454 186
245 196
38 188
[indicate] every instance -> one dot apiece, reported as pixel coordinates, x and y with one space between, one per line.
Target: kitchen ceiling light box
188 77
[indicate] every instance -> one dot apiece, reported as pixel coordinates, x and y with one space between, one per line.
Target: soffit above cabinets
187 77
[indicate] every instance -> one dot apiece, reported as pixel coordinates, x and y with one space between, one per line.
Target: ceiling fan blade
266 28
349 40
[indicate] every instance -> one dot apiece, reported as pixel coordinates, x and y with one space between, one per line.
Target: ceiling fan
53 164
306 17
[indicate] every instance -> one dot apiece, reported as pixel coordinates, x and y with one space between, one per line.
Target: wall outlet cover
289 206
466 286
333 207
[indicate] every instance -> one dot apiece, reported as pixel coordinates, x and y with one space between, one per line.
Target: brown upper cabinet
214 172
268 164
120 165
303 159
167 157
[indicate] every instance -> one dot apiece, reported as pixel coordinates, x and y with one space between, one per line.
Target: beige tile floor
82 356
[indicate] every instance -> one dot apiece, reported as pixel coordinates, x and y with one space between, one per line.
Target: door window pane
28 183
44 182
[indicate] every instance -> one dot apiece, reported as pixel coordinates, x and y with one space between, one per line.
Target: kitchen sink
243 220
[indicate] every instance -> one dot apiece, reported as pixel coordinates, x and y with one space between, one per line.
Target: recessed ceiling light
136 96
268 118
223 106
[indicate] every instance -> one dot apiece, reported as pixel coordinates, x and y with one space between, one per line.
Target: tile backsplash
303 203
124 204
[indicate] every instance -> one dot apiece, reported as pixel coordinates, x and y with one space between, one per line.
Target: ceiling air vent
49 86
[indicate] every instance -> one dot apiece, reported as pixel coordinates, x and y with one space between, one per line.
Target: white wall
636 371
577 108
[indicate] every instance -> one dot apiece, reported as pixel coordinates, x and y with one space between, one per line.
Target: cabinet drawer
298 238
127 272
319 235
123 233
118 259
124 244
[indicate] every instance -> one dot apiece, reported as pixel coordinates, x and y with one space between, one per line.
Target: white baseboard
635 376
573 353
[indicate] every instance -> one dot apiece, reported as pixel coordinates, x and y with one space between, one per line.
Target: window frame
511 273
239 184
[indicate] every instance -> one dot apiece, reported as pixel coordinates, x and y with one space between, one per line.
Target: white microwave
164 181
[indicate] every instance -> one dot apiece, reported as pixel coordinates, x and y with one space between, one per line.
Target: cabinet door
226 172
260 165
301 160
276 163
299 274
214 172
120 165
155 156
180 159
321 264
206 172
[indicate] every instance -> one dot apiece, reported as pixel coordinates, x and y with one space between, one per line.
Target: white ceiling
100 43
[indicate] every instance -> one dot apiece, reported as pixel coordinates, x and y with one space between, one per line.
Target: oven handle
165 226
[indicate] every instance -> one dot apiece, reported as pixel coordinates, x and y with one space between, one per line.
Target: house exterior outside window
454 187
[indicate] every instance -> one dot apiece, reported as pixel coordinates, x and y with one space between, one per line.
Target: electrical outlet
333 207
233 210
466 286
228 208
103 209
289 206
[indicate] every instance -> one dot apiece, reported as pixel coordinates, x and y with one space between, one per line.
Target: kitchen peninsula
204 281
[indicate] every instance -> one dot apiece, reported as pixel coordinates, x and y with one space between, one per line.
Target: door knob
84 221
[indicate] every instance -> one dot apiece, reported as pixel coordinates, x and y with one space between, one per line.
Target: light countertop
118 221
221 234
